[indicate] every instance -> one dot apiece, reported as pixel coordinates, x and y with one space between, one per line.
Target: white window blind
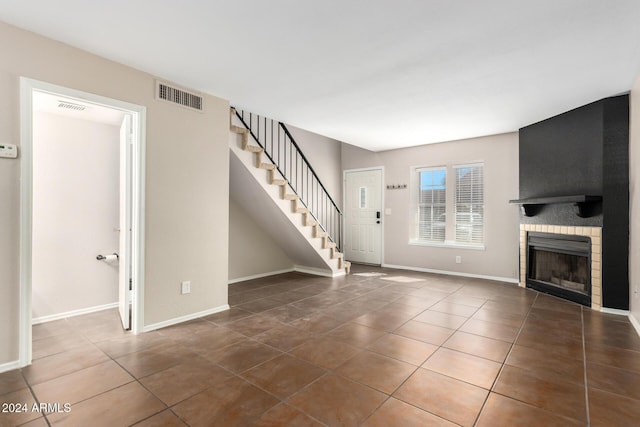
432 204
469 203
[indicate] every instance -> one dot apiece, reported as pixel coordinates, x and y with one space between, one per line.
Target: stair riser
300 214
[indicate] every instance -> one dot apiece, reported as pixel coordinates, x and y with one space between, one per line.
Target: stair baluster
311 197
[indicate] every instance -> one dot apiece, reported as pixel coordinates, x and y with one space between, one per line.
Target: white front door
124 267
363 212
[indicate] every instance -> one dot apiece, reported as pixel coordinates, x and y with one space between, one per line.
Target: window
469 204
363 197
454 215
432 204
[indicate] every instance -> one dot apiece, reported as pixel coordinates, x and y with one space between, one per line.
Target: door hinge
130 284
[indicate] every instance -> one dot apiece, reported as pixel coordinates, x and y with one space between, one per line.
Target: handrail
284 152
293 141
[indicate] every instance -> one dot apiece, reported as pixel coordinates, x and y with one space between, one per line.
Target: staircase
267 145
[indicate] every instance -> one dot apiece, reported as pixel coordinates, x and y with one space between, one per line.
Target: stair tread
318 232
238 129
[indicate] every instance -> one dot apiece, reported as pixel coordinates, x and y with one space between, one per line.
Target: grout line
316 335
524 321
286 400
33 393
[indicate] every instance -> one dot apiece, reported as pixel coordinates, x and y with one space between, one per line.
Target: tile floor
402 349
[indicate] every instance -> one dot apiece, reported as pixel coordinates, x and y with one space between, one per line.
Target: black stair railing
283 151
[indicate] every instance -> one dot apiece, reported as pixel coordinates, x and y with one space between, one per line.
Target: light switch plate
185 288
8 151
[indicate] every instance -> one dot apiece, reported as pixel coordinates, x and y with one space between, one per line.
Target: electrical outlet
185 288
458 259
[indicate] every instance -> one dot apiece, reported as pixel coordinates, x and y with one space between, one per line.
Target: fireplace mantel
582 202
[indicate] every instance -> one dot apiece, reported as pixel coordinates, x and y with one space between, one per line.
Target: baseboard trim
615 311
635 323
72 313
452 273
9 366
260 276
186 318
318 271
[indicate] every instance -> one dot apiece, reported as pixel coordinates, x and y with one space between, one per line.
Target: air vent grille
181 97
71 106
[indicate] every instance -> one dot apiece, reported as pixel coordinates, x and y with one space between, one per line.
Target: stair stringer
251 188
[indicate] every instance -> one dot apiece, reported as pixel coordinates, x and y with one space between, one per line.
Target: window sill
447 244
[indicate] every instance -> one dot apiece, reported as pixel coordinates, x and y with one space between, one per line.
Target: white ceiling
379 74
49 103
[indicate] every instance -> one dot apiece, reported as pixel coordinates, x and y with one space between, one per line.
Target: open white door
124 277
132 200
363 209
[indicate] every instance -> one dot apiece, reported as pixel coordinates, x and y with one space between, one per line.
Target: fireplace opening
560 265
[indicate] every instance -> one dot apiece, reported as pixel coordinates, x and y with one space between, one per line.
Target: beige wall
500 156
634 203
325 156
187 161
251 251
75 214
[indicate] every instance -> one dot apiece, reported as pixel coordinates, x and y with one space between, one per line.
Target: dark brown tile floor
399 349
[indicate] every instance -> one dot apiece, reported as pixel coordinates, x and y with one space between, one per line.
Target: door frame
382 214
137 186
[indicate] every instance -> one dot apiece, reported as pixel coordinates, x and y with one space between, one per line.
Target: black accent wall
562 156
585 152
615 206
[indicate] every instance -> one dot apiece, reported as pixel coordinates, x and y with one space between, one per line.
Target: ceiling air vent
168 93
71 106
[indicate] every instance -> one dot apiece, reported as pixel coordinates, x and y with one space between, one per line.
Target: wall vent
71 106
169 93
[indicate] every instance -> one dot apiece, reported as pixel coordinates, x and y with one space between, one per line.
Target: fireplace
574 180
560 265
564 261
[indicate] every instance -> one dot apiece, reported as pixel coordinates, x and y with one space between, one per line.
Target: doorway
81 201
363 216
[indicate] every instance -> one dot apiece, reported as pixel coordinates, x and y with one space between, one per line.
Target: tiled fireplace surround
595 233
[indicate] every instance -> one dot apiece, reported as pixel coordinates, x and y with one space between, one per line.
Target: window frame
471 207
433 205
450 212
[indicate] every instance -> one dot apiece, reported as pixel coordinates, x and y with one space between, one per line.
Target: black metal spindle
290 159
301 177
307 187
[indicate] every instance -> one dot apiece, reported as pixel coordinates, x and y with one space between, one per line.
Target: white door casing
363 216
124 250
136 186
